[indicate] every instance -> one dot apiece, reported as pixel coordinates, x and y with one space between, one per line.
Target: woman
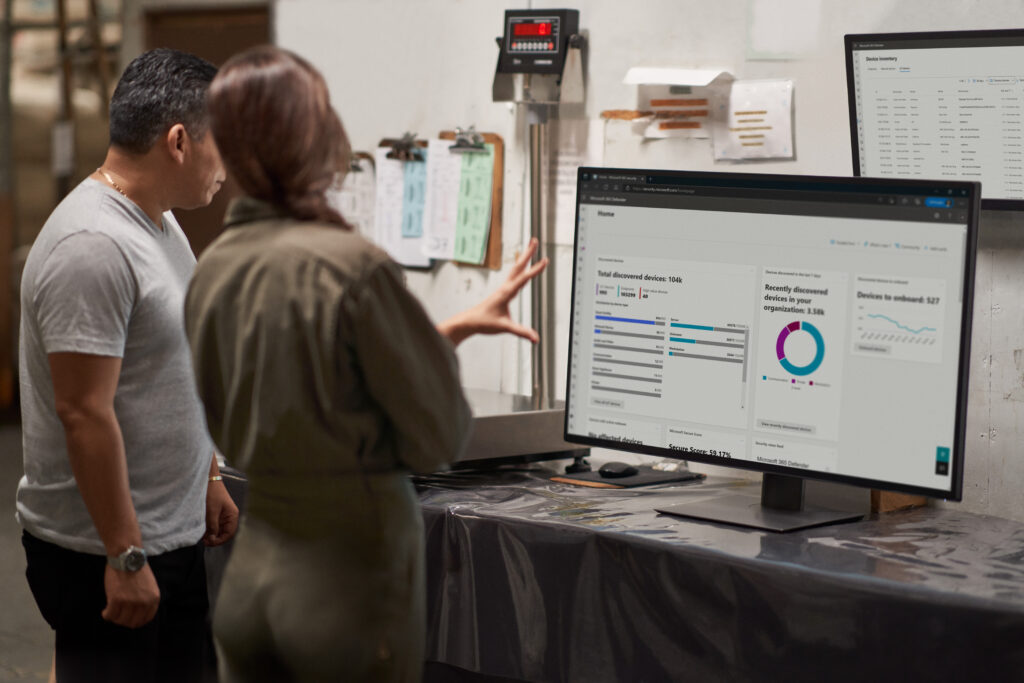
324 380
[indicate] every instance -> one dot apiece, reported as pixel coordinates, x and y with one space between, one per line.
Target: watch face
135 559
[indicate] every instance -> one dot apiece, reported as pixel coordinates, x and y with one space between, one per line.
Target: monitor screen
940 105
796 325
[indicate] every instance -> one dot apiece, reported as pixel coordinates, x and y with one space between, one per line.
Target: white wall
423 67
427 65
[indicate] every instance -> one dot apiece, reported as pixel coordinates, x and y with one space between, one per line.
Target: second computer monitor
940 105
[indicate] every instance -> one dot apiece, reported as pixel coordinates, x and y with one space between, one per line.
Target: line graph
899 318
896 337
880 316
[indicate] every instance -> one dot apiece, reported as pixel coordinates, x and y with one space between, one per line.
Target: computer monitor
804 327
940 105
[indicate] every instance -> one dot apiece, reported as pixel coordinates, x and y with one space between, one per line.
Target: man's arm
84 387
221 511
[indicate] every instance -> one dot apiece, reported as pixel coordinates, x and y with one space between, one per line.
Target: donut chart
819 354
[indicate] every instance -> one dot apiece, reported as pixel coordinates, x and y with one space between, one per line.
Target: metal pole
537 289
546 327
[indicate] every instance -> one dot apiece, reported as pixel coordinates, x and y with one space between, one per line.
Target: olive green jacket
318 370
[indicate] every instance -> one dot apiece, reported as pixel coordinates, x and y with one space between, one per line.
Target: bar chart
653 335
628 355
699 343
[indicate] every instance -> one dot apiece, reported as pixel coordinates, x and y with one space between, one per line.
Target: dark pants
176 646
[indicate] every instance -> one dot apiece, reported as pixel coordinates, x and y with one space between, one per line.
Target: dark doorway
214 34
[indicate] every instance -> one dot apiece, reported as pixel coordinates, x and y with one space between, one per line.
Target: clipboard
401 254
394 142
492 258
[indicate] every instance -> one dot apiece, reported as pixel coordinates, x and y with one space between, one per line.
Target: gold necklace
111 181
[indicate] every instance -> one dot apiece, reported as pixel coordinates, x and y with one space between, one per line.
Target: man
121 488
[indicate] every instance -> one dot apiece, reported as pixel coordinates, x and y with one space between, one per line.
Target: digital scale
539 58
540 65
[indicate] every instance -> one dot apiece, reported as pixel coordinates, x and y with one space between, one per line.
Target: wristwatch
131 560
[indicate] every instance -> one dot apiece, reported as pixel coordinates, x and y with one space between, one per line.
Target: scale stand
540 65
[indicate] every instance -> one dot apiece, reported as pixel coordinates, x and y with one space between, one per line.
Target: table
539 581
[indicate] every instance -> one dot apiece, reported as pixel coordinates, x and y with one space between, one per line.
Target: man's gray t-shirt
102 279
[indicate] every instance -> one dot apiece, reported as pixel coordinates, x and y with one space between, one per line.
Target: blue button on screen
938 202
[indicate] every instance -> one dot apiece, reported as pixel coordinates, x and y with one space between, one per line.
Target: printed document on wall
473 221
391 213
441 209
678 102
759 122
356 197
415 195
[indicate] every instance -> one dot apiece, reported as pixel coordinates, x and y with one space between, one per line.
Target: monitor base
747 511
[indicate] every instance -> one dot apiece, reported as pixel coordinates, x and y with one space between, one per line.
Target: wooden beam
100 56
66 114
7 324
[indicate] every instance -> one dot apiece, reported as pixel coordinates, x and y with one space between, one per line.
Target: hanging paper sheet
391 212
355 199
473 221
759 123
441 208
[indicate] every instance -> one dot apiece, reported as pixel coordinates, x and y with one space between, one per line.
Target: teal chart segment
819 343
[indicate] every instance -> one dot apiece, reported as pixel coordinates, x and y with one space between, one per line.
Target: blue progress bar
693 327
682 341
623 320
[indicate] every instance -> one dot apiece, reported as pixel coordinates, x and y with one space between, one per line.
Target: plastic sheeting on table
541 581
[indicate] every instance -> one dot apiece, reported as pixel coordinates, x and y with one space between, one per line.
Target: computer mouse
612 470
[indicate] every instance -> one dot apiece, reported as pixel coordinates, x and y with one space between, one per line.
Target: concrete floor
26 642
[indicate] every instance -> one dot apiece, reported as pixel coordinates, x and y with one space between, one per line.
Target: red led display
536 29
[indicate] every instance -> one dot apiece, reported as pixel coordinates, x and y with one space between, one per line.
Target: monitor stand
781 508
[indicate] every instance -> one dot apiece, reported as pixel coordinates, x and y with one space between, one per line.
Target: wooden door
214 34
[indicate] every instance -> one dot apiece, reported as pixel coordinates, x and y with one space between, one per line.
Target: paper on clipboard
415 195
355 199
759 122
440 210
473 222
681 102
390 212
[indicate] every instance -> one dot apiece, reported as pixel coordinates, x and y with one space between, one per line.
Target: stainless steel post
538 290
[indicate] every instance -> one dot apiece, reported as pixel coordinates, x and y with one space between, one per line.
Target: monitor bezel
955 492
851 38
